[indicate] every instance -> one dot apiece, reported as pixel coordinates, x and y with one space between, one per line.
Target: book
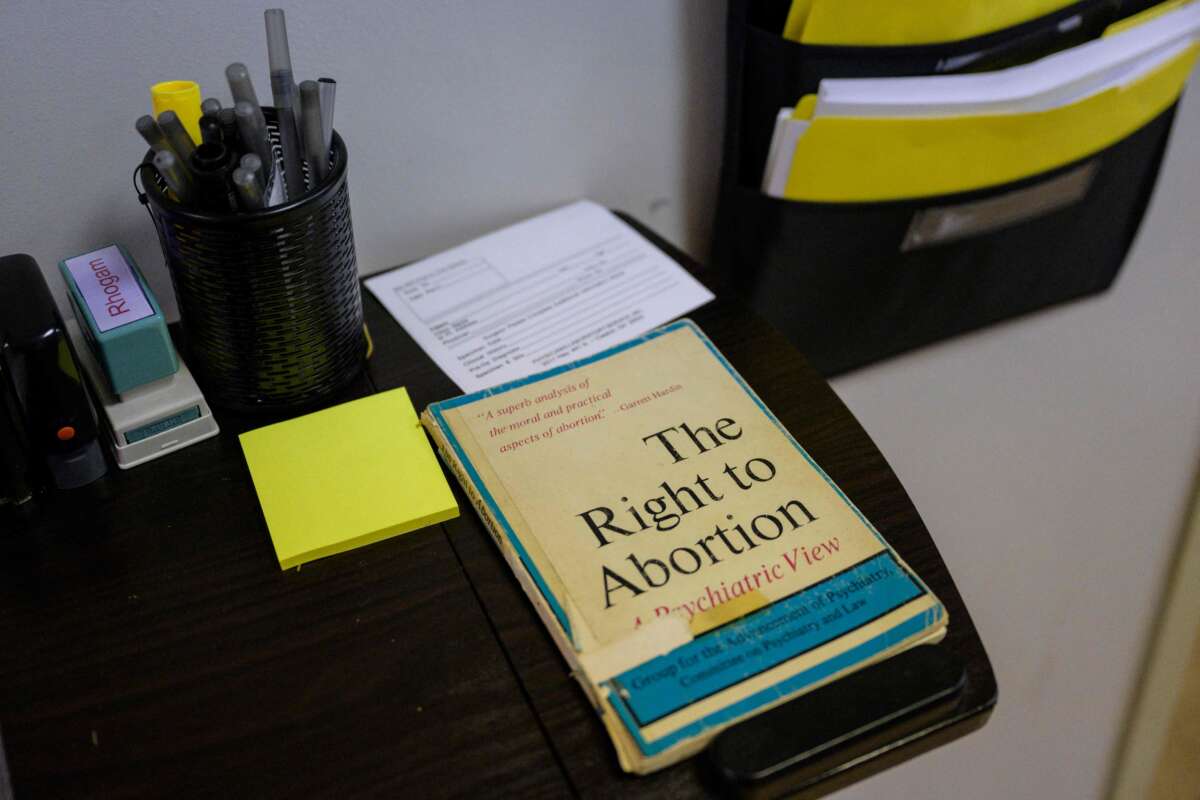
693 564
345 477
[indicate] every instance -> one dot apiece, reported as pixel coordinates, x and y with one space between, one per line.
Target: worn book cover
693 563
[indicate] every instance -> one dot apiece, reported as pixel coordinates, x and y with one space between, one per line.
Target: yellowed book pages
692 561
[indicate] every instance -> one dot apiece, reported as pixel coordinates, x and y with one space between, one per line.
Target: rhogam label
111 291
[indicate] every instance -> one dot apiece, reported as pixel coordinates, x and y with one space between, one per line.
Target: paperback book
694 565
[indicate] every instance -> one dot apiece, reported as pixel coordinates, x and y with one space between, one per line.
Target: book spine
468 486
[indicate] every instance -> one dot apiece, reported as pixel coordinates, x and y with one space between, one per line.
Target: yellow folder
891 23
851 159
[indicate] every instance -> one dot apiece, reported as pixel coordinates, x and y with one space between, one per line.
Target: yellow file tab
345 477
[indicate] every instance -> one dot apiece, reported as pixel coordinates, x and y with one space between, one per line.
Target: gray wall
459 116
1051 457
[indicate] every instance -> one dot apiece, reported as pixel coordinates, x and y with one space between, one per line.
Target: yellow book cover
693 563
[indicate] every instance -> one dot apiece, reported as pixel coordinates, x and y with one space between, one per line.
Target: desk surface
152 646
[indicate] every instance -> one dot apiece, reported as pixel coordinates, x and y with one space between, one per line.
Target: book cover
694 565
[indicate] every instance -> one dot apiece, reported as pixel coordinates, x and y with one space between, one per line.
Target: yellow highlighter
182 97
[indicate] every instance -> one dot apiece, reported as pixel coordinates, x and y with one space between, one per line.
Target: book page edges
576 635
633 760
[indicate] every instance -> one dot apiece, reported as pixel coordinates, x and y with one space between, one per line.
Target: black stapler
48 435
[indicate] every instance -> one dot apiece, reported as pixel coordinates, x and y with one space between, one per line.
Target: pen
229 129
314 138
210 106
254 136
181 143
210 129
250 194
174 175
328 87
283 90
242 89
149 130
251 161
210 164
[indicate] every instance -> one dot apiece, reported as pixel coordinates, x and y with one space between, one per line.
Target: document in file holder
1125 53
541 293
878 139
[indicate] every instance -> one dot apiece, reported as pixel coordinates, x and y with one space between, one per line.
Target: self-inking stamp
151 402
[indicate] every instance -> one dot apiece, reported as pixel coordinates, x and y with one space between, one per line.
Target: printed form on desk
547 291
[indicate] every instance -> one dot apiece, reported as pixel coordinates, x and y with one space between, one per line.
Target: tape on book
727 612
649 641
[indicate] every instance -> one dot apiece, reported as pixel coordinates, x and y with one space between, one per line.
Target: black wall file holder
269 301
849 283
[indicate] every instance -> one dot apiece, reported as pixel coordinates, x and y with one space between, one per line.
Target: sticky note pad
346 476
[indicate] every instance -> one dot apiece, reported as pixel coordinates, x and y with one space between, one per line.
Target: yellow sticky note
346 476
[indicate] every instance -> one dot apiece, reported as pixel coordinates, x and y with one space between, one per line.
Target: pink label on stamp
112 292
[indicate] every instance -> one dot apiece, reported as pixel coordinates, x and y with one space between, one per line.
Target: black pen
211 164
315 152
210 129
283 90
328 87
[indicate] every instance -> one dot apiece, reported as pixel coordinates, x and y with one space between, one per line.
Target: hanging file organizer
896 232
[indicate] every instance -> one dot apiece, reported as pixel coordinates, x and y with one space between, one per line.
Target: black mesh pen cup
269 301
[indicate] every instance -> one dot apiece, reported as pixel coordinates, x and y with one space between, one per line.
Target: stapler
48 434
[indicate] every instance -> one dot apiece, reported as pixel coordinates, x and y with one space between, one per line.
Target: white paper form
544 292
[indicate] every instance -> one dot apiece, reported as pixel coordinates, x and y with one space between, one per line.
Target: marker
182 97
254 136
181 143
210 164
210 129
210 106
283 90
249 193
314 139
149 130
174 175
328 87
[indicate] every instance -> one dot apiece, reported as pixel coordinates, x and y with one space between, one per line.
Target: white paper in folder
1050 82
1113 61
544 292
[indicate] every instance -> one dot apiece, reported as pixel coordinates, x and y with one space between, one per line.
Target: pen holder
269 301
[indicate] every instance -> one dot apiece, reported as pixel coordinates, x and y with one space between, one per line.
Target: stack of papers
541 293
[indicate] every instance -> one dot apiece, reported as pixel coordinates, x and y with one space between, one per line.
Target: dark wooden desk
151 647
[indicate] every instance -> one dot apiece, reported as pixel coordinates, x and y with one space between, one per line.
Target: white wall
459 116
1050 457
